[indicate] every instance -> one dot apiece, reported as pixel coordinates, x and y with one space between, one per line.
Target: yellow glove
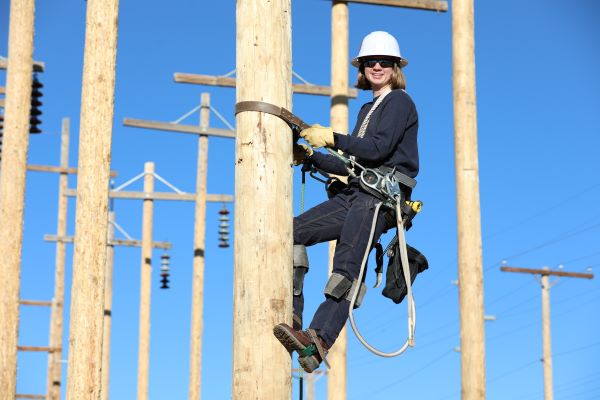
318 136
301 153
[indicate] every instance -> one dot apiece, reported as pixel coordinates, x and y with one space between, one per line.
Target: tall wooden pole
310 387
337 376
110 261
199 239
91 219
546 343
145 285
470 272
263 208
56 322
12 183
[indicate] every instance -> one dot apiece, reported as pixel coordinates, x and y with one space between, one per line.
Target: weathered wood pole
337 376
145 285
108 282
56 322
263 208
310 387
546 342
12 183
470 272
91 218
197 325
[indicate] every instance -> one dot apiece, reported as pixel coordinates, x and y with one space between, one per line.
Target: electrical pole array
200 198
545 274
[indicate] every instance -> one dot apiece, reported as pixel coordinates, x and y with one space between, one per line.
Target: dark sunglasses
384 63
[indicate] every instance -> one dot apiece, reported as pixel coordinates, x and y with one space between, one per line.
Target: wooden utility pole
197 325
148 196
12 183
200 198
145 285
470 271
337 376
91 218
110 262
545 274
111 243
56 321
263 208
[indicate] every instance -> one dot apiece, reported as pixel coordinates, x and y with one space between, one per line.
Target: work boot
311 349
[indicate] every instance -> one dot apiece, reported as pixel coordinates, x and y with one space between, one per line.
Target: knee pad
300 268
298 281
339 287
300 256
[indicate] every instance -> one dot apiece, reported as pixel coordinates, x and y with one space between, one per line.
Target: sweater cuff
340 141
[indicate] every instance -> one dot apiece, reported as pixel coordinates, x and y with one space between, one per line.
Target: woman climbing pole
384 140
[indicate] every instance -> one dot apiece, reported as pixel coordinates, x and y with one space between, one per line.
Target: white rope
129 182
187 114
363 126
163 180
213 109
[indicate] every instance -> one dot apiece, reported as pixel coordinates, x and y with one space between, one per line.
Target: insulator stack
35 111
224 227
164 270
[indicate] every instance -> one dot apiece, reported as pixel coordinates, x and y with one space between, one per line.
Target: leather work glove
318 136
301 153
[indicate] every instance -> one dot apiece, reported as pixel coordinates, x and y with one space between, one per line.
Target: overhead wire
405 377
560 387
536 215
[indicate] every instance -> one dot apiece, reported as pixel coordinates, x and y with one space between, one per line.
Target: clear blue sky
538 128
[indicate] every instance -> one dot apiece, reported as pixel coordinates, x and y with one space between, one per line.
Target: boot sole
287 339
309 363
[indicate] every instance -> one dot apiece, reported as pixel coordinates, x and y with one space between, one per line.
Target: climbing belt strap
295 123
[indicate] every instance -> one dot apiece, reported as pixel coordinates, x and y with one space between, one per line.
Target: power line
562 387
394 383
569 200
574 232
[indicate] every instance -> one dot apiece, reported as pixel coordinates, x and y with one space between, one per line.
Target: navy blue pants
346 217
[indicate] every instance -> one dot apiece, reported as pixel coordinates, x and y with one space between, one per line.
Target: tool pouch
395 284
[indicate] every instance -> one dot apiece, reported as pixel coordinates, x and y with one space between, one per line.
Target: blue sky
538 133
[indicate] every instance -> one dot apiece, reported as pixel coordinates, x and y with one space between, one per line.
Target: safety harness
383 183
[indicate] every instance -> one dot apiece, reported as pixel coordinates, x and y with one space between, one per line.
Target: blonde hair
398 81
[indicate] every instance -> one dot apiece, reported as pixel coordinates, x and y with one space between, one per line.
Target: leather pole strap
293 121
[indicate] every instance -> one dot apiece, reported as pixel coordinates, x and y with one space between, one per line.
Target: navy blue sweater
390 139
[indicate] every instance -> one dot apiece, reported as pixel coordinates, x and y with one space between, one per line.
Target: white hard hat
379 43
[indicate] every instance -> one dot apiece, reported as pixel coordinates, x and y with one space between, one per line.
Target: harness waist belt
400 177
